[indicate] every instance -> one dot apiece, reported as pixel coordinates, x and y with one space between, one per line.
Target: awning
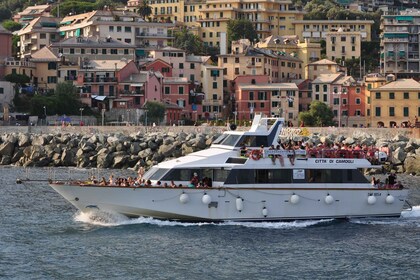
140 53
406 18
98 97
137 85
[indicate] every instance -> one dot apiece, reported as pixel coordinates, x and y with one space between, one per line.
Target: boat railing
371 154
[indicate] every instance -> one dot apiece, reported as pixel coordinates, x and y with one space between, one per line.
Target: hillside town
119 60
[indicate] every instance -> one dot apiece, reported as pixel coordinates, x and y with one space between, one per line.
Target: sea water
43 237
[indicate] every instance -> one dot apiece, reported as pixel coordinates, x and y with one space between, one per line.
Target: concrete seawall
386 133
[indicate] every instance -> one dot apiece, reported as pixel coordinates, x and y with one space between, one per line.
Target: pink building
159 65
254 94
5 48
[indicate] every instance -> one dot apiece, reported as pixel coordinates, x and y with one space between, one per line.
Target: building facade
400 41
394 104
343 45
316 30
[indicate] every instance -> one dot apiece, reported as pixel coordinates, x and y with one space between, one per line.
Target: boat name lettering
334 161
344 161
375 194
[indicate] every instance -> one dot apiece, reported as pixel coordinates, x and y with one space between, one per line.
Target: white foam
414 213
109 219
408 218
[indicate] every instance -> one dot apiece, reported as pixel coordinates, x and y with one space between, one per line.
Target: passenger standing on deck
140 172
272 156
280 156
194 180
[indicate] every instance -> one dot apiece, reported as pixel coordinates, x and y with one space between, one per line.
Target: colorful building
316 30
395 103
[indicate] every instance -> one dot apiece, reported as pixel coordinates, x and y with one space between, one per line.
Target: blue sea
42 236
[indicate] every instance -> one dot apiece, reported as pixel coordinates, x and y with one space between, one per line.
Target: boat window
155 173
231 140
220 175
253 141
220 139
179 175
236 160
283 176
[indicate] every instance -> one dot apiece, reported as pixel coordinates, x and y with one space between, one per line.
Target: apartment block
74 50
208 19
400 41
32 12
394 104
343 45
255 94
316 30
123 26
40 32
306 51
248 60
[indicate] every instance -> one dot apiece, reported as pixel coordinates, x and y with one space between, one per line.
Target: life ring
255 154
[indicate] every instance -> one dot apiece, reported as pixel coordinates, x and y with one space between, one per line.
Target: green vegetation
240 29
144 9
11 25
187 41
155 112
319 114
64 100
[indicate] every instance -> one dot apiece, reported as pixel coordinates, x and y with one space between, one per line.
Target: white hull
224 203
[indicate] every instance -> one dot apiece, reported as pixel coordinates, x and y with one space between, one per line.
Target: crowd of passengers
136 182
323 150
390 182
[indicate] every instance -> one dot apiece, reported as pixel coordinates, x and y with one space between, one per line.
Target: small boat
241 177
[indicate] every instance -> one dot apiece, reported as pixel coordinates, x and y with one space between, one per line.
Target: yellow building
305 51
40 32
316 30
212 87
247 60
270 17
394 104
323 66
343 45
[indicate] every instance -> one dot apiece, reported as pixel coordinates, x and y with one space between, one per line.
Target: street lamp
103 115
45 114
81 116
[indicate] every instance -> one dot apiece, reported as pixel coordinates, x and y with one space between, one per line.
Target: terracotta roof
323 62
44 54
326 78
399 85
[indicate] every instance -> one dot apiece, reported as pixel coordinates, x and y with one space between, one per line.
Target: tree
319 114
67 99
19 79
187 41
155 112
5 13
12 25
144 9
240 29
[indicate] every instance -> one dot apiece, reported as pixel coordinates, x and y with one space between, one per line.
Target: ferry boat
243 179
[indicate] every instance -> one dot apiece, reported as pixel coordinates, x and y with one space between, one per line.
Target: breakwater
132 147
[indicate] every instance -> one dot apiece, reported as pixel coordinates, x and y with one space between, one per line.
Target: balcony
70 78
254 65
132 92
100 80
